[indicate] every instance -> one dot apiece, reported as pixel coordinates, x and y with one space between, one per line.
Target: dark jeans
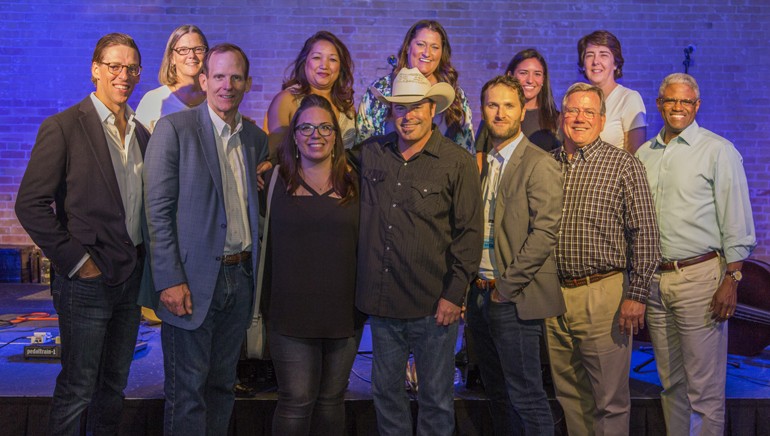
433 347
200 365
98 326
312 378
508 354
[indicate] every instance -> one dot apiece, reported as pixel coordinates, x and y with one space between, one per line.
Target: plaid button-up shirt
608 221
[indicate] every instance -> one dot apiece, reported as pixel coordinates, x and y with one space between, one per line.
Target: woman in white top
601 61
179 70
323 67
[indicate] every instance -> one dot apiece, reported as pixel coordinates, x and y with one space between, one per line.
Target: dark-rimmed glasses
671 102
116 68
307 129
183 51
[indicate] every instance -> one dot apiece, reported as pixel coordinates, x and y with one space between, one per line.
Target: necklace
318 187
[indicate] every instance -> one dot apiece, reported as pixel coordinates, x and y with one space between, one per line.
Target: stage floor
26 385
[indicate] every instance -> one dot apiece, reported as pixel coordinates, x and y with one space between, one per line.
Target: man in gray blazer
202 212
517 286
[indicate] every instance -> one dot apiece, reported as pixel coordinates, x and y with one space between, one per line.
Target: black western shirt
421 226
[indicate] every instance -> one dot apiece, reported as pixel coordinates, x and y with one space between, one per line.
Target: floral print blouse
372 116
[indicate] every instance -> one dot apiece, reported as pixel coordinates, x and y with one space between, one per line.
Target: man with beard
517 284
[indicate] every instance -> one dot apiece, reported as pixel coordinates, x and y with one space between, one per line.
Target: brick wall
46 46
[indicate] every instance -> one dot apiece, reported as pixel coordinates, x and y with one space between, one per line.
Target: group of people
564 225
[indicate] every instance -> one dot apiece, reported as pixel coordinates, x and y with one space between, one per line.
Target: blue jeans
98 326
312 378
200 365
507 349
433 347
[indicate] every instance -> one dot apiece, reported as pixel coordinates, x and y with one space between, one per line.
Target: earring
332 154
296 151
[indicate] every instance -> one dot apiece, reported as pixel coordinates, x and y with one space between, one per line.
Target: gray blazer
185 206
528 210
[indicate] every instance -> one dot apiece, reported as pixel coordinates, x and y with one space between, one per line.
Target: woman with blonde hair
178 76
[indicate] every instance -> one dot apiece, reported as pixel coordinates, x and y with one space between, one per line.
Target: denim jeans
98 326
433 348
200 365
508 357
312 378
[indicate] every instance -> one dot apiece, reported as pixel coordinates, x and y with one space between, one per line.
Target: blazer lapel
506 179
250 162
97 142
209 147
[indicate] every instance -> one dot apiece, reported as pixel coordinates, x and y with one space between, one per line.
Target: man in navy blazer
518 285
88 161
203 217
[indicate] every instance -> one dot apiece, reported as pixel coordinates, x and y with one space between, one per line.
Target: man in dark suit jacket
88 161
203 217
518 285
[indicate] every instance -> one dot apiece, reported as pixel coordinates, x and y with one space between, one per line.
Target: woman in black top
314 326
541 121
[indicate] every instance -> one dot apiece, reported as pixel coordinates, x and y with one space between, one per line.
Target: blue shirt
700 193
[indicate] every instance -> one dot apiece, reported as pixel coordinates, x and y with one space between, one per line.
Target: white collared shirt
128 163
230 152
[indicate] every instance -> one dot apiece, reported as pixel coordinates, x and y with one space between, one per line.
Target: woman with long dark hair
313 233
323 67
541 119
425 47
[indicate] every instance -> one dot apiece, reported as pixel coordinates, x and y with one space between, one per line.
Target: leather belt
487 285
593 278
690 261
234 259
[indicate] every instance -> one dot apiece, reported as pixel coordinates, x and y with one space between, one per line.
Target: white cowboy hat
410 86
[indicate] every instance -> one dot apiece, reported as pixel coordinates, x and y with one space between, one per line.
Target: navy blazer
70 166
185 206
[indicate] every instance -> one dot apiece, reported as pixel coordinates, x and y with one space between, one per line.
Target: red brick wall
46 46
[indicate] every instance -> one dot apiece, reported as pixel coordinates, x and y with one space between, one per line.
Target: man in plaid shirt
608 249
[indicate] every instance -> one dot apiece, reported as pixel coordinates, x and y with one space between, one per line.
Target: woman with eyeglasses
600 59
314 328
425 47
178 75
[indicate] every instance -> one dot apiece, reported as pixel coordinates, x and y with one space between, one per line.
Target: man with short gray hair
607 252
707 230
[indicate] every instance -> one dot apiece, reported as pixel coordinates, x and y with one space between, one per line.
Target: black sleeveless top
312 255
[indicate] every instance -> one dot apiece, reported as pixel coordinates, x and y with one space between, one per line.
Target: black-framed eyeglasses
671 102
572 112
183 51
115 69
307 129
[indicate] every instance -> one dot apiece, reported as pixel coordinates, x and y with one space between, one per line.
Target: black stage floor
26 386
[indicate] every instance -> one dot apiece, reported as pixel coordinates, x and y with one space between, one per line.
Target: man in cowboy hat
421 238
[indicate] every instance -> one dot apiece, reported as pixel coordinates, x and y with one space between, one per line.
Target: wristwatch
735 275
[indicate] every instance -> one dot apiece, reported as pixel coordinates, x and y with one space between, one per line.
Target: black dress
312 255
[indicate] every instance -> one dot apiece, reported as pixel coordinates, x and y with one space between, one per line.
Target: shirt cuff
79 265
